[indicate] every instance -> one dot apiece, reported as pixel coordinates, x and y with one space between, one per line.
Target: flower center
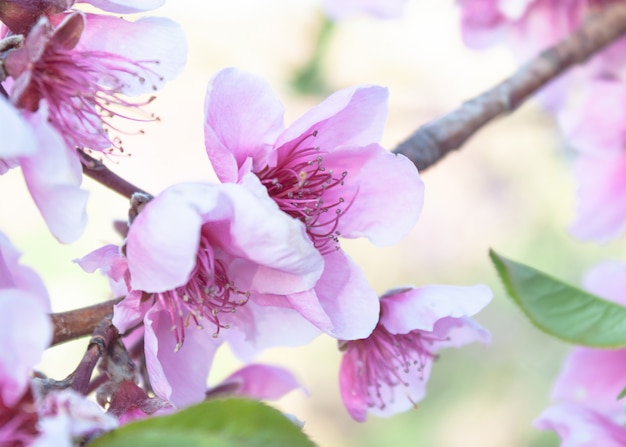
208 293
384 360
84 93
301 185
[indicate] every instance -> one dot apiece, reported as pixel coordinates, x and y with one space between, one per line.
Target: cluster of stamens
384 359
84 93
299 182
206 295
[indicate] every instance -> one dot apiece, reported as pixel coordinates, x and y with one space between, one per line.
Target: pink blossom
196 254
386 373
580 426
325 170
69 84
596 126
588 412
382 9
256 381
25 332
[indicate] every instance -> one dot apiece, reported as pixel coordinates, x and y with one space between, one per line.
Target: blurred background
509 188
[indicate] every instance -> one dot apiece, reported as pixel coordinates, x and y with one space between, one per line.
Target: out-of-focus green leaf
561 310
230 422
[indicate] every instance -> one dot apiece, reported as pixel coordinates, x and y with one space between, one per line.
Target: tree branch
79 322
99 172
433 141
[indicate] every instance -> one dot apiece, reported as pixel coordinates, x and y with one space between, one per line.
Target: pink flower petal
262 381
347 298
601 201
158 44
53 177
578 426
163 240
125 6
373 176
593 378
25 332
420 308
243 118
354 116
179 377
17 137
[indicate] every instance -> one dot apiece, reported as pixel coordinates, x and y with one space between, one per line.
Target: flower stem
433 141
99 172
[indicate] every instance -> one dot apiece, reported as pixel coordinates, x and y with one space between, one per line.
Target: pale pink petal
275 254
347 298
129 312
382 9
420 308
482 23
382 192
607 279
15 275
243 118
17 136
262 381
451 332
601 197
25 332
179 377
594 378
158 44
53 177
125 6
308 305
163 240
354 116
578 426
354 399
255 328
597 124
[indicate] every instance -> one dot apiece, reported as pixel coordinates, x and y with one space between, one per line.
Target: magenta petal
371 210
262 381
53 177
129 312
243 118
353 116
578 426
179 377
601 201
347 297
25 332
607 279
594 378
420 308
125 6
163 240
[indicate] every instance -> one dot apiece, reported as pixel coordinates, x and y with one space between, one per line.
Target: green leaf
561 310
230 422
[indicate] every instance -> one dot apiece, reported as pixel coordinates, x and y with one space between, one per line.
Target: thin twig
79 322
95 169
433 141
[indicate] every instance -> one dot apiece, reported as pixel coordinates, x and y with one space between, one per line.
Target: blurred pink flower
382 9
325 170
386 373
196 254
587 412
596 127
25 332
